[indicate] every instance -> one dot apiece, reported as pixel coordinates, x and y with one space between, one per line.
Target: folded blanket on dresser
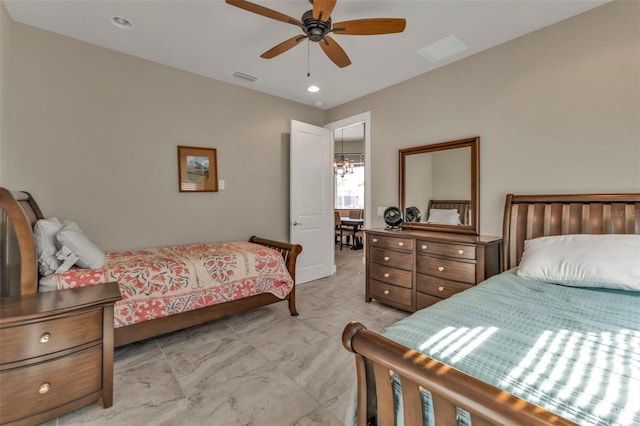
165 281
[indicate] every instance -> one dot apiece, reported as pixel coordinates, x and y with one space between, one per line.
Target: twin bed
163 289
516 350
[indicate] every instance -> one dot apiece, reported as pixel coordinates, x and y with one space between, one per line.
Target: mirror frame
474 144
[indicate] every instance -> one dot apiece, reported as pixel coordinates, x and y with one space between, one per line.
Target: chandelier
343 166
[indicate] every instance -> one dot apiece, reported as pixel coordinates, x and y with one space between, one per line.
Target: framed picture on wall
197 169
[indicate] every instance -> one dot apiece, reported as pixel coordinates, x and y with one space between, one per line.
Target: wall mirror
439 186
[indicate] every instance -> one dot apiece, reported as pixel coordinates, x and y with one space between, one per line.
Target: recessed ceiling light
313 88
443 48
122 23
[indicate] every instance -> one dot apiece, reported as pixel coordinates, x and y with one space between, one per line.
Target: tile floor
261 368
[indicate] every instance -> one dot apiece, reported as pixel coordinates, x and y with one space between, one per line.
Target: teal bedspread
573 351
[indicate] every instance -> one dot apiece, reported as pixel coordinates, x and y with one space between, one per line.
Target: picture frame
197 169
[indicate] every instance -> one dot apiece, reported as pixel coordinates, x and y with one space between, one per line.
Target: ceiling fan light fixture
122 23
316 24
313 88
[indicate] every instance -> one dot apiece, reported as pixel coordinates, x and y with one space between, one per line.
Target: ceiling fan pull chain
308 58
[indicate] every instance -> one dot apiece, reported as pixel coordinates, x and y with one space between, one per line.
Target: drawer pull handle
424 247
44 388
400 243
386 292
386 275
440 288
460 251
375 240
386 258
440 268
45 338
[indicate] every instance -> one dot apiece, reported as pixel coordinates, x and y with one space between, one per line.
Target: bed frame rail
378 359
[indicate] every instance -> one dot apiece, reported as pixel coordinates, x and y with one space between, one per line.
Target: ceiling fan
316 25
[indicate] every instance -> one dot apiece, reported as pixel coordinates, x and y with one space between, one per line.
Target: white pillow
44 233
444 216
48 283
608 261
75 245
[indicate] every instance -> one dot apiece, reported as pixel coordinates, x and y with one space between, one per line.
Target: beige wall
418 182
557 111
451 174
6 29
94 137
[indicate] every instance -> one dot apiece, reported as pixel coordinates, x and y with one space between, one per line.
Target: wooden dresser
412 269
56 352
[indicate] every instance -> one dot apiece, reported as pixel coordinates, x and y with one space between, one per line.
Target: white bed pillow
48 283
44 234
608 261
444 216
75 247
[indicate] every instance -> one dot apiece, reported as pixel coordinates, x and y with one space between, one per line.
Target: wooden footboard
378 359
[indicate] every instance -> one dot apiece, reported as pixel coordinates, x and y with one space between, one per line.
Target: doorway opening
351 182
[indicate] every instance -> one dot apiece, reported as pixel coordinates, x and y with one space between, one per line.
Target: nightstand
56 352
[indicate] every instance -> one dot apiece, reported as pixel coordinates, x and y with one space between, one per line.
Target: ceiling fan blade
335 52
322 9
370 26
264 11
282 47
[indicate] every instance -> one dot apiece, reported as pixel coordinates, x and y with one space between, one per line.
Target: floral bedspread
164 281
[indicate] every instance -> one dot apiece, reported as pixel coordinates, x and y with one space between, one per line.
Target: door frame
364 117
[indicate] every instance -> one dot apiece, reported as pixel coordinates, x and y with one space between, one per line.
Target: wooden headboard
531 216
463 207
18 263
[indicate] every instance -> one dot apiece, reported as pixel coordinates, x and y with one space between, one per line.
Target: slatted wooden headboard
531 216
463 207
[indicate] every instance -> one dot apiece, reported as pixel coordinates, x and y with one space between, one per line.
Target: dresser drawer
41 387
447 269
45 337
390 293
391 258
397 243
424 300
398 277
459 251
439 287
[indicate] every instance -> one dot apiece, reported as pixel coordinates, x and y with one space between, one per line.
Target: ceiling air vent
244 76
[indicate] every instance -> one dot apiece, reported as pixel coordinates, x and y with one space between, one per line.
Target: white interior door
311 211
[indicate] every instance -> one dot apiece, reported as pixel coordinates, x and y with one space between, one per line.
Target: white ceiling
213 39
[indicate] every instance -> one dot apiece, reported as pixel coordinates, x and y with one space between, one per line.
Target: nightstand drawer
391 293
29 390
444 249
396 243
391 258
439 287
398 277
447 269
45 337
